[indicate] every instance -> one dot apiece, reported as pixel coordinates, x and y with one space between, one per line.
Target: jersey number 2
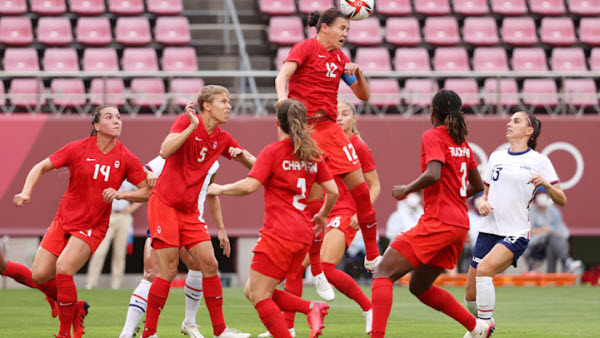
104 170
331 68
302 185
463 180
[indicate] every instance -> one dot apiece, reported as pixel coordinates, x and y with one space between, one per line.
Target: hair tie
528 119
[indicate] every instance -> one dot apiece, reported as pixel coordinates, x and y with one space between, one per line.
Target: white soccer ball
357 9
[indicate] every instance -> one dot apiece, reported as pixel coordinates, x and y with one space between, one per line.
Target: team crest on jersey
117 164
215 145
158 229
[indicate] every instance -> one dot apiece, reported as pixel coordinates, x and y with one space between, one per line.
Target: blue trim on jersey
519 153
349 79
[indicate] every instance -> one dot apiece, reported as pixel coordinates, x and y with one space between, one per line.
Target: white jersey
507 176
157 165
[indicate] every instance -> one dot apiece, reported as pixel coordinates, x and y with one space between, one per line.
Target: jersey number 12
331 68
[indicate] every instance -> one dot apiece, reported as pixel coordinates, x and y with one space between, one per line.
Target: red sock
67 301
157 297
346 285
213 295
293 285
366 219
443 301
20 273
288 302
271 316
382 296
49 288
315 255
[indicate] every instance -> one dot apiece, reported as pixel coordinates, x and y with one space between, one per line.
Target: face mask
413 200
543 200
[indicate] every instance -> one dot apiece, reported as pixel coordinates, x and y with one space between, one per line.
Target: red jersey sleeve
364 155
231 143
135 171
261 170
180 123
298 53
433 148
323 173
64 156
471 164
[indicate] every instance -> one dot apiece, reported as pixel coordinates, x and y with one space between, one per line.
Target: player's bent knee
40 278
485 270
210 267
150 274
417 290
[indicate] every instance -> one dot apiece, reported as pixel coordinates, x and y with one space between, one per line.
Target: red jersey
445 200
316 81
92 171
182 177
287 183
364 154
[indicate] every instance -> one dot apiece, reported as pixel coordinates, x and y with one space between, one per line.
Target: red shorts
56 237
338 151
276 257
433 243
174 228
342 223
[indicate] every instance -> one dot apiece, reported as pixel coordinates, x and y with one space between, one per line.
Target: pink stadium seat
547 7
126 7
589 31
94 31
27 92
277 7
412 60
345 94
71 91
500 91
471 7
419 92
87 7
311 32
451 59
467 89
595 59
61 60
584 7
21 60
100 59
509 7
307 6
365 32
172 30
393 7
139 59
179 59
54 31
539 92
529 59
580 92
403 31
48 7
286 30
489 59
16 31
111 92
480 31
133 31
185 90
151 91
557 31
13 7
2 94
519 31
441 31
432 7
346 52
384 92
373 59
282 54
568 59
165 7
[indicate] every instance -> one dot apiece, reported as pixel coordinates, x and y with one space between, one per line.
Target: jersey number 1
104 170
302 185
463 180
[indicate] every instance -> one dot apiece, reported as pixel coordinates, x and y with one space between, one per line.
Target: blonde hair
291 116
352 108
207 94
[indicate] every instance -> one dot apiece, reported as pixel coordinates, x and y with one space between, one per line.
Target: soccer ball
357 9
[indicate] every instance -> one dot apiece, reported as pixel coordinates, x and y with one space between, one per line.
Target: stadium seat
471 7
480 31
467 89
345 94
282 54
384 92
139 59
133 31
100 59
568 59
87 7
286 30
54 31
419 92
61 60
490 59
393 7
21 60
307 6
94 31
365 32
509 7
16 31
2 94
48 7
529 59
373 59
589 31
539 92
151 92
584 7
179 59
111 92
13 7
403 31
557 31
185 90
547 7
412 60
432 7
277 7
165 7
172 30
71 92
450 59
504 92
441 31
346 52
126 7
580 92
595 59
27 92
519 31
311 32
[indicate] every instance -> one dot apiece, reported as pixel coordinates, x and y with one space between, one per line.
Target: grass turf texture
520 312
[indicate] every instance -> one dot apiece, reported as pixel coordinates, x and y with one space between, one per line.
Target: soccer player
511 179
95 164
192 146
313 70
436 242
287 169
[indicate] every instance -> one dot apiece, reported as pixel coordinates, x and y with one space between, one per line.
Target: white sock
137 307
193 295
472 306
486 297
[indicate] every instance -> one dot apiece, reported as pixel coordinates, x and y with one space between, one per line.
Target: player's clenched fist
191 113
21 199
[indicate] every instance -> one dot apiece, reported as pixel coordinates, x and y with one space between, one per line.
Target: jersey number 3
463 179
331 68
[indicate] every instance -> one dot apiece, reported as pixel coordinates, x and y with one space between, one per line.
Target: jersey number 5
202 154
331 68
463 180
302 185
104 170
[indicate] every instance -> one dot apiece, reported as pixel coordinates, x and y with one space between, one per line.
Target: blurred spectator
475 220
407 214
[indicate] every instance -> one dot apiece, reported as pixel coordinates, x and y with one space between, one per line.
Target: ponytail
537 129
328 17
446 105
96 118
291 116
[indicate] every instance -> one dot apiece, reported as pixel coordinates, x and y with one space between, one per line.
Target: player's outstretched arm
174 141
372 179
554 190
432 174
242 187
242 156
32 179
360 87
475 183
331 196
287 70
214 204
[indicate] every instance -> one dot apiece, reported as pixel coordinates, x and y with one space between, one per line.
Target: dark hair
291 116
537 129
446 106
96 117
328 17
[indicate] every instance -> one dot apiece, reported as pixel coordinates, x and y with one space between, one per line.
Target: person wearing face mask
406 216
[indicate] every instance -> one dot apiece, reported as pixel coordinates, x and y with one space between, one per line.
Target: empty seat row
91 7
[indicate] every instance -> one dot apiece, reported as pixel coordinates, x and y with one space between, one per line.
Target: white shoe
486 328
372 265
368 320
323 288
125 336
191 330
268 334
233 333
153 336
573 265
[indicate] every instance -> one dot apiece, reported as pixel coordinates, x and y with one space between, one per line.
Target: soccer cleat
268 334
63 335
191 330
486 328
81 312
153 336
316 317
233 333
53 306
368 321
372 265
323 287
125 336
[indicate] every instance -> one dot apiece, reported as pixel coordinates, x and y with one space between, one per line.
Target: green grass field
520 312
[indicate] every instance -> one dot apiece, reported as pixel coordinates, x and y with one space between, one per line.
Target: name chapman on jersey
460 151
299 165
